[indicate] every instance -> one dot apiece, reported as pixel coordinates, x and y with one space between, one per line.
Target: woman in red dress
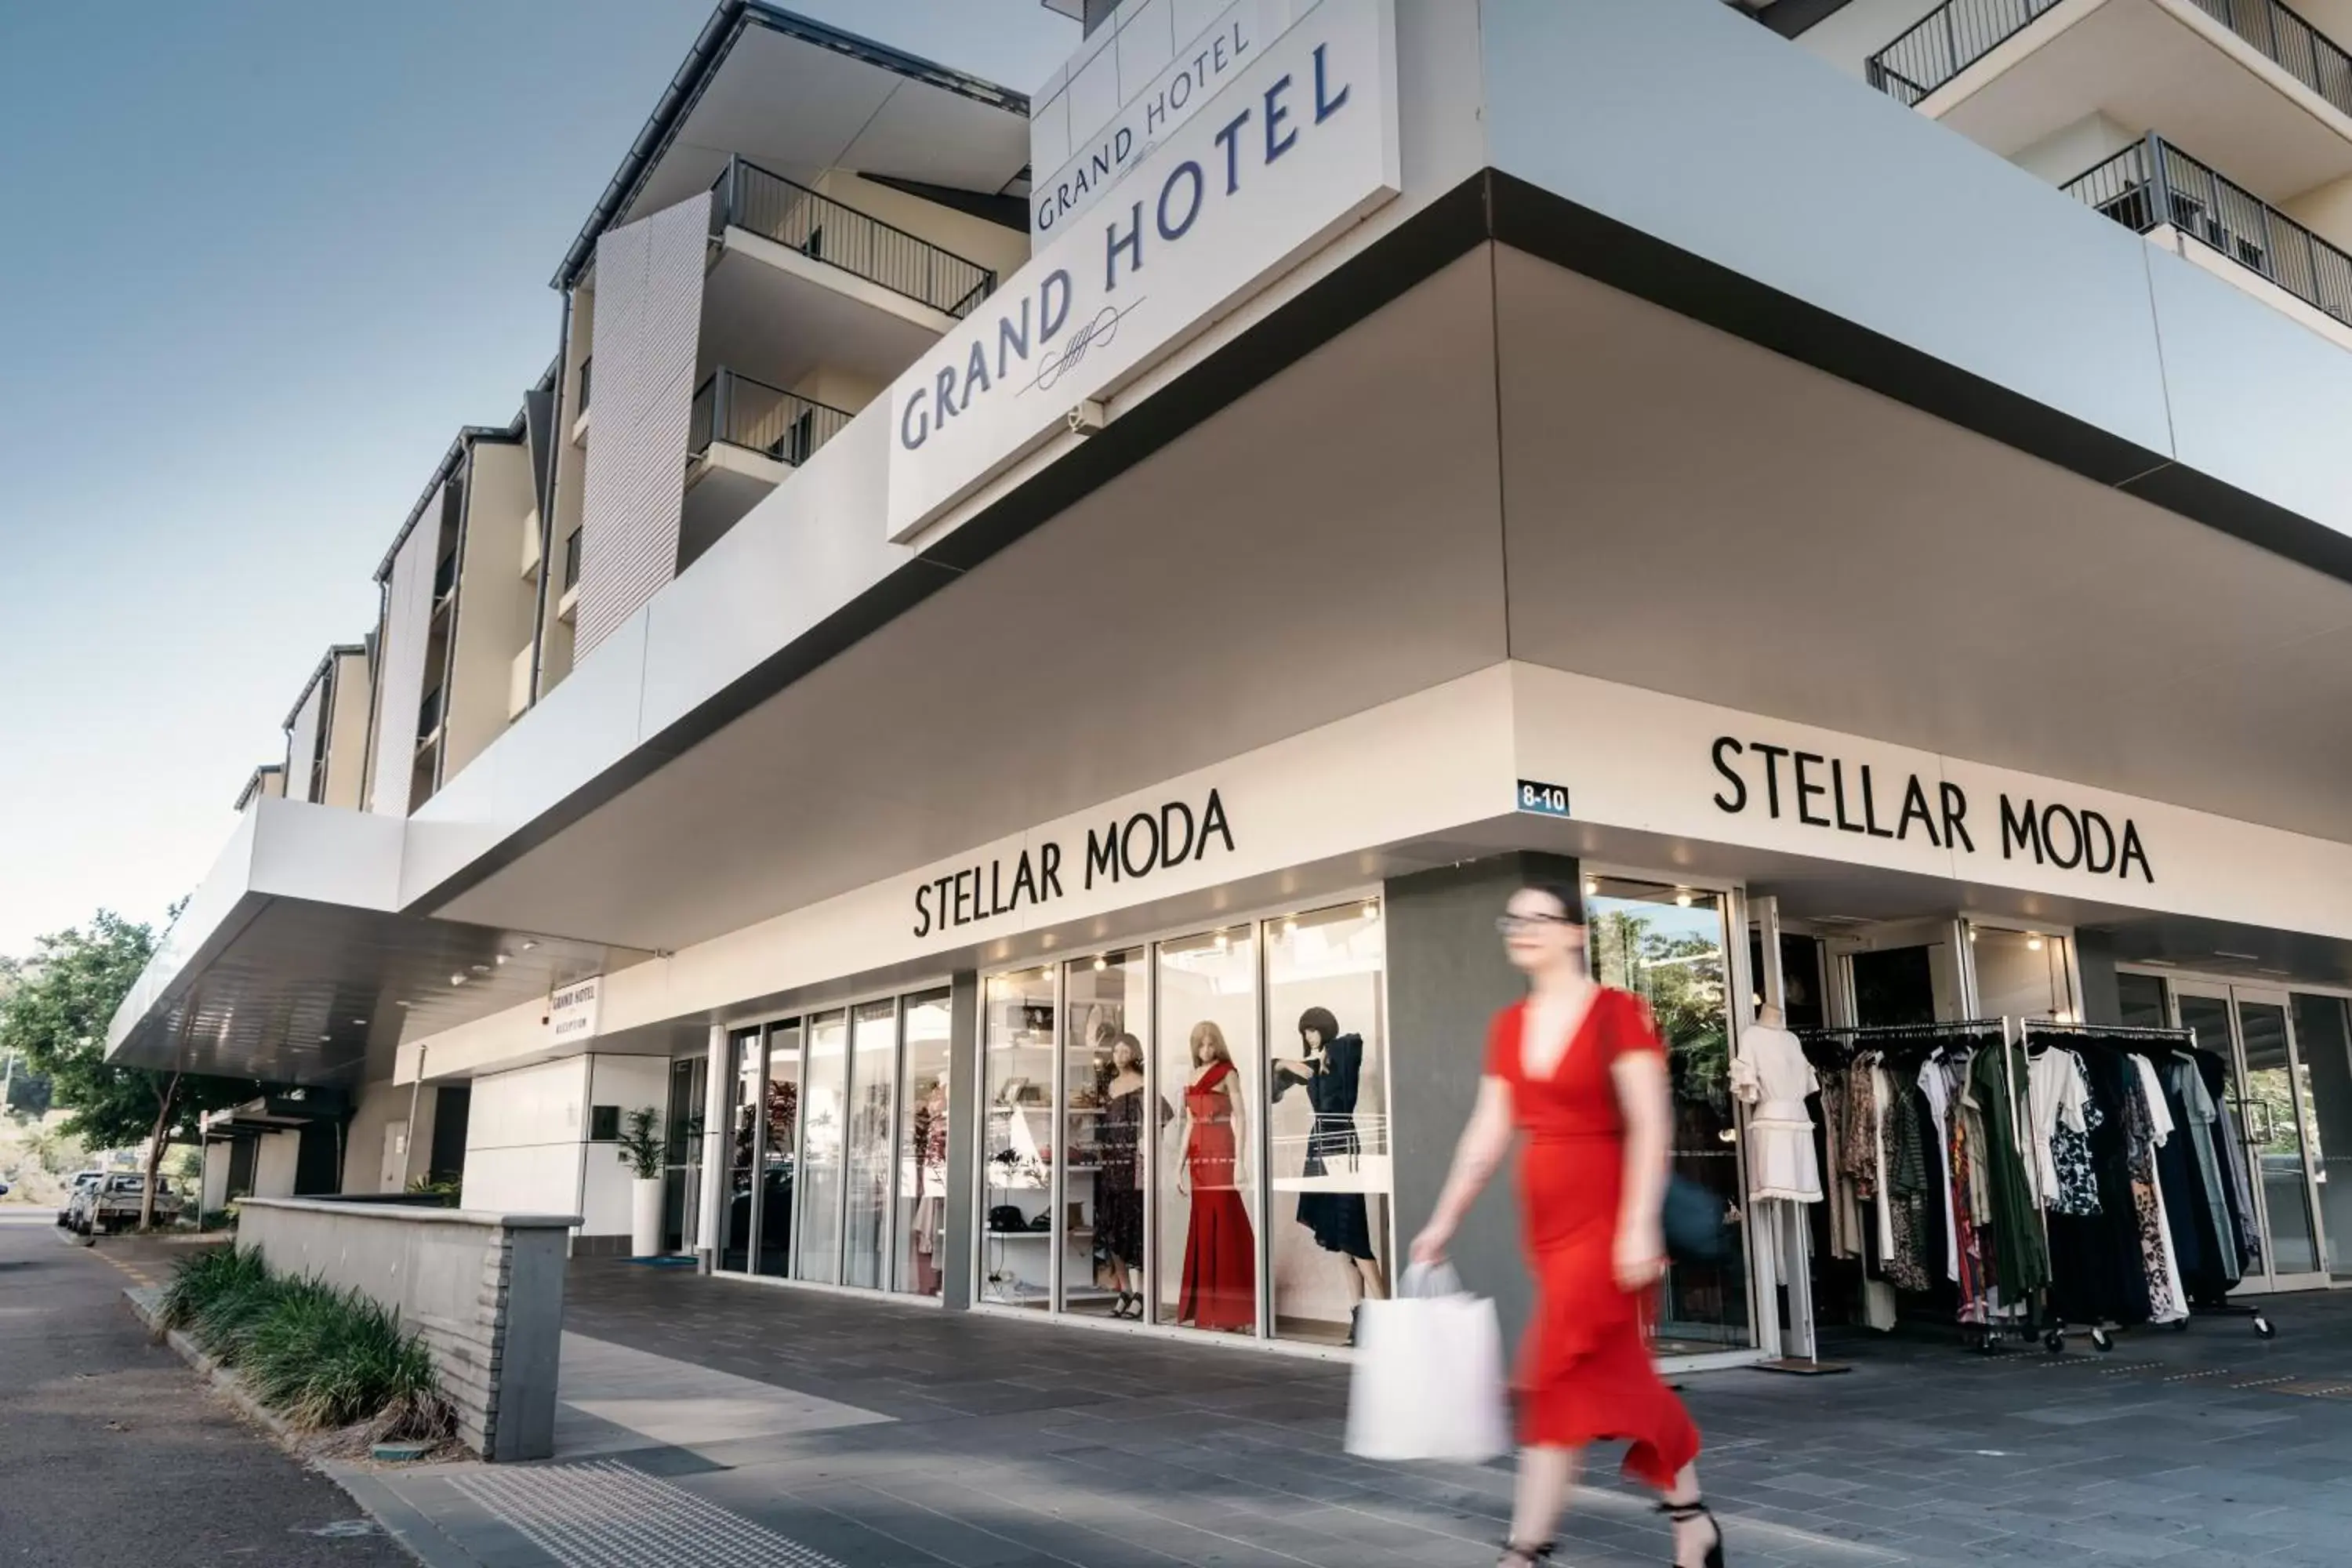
1579 1068
1220 1249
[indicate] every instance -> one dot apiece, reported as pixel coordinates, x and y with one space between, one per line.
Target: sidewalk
710 1421
113 1453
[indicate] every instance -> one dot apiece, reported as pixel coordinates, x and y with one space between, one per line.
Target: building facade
1066 617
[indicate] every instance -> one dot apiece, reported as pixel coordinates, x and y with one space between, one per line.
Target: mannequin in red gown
1220 1248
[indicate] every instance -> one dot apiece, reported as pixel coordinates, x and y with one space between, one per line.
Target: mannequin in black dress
1118 1187
1330 1065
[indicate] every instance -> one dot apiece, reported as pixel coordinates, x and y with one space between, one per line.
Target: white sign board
1298 145
573 1010
1202 67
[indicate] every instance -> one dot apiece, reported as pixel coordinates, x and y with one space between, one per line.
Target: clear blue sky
262 258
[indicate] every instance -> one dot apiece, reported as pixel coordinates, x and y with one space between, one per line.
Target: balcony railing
444 577
571 559
767 419
1957 33
823 229
2152 183
428 715
584 365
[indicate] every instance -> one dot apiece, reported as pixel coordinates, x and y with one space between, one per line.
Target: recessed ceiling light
399 1004
480 968
456 980
326 1039
2241 957
504 956
1682 897
529 945
359 1023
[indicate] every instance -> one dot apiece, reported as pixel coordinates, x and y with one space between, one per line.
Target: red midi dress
1584 1371
1220 1248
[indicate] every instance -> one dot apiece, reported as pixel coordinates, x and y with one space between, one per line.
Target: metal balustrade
2152 183
1957 33
766 419
823 229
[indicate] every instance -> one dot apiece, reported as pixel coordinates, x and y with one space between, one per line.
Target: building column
963 1139
1447 977
714 1153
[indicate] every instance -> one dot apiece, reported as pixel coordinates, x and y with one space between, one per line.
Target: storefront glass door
1667 945
2270 1099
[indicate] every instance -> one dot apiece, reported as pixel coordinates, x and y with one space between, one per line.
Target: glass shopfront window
823 1128
923 1147
2021 974
1207 1052
778 1149
1328 1125
1666 944
742 1149
1018 1144
874 1071
1104 1091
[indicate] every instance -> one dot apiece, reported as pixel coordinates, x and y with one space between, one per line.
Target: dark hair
1318 1019
1132 1044
1570 901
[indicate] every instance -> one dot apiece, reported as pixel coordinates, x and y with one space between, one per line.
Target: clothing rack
2178 1039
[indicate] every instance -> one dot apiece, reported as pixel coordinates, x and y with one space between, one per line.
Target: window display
872 1088
1327 1133
1017 1145
1101 1211
742 1149
823 1128
923 1147
1207 1028
779 1149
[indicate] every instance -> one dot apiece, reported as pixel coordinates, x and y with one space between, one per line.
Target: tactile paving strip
604 1514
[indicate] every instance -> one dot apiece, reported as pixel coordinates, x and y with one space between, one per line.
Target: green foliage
641 1147
54 1017
437 1184
323 1357
1681 976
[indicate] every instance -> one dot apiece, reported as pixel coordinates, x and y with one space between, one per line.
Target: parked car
82 1179
106 1206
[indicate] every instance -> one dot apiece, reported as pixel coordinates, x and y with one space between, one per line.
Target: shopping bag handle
1431 1279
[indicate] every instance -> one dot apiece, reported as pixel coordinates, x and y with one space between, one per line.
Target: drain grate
604 1514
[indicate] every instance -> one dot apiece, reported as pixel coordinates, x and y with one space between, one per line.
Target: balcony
813 225
579 414
2155 189
743 438
428 719
568 589
2052 84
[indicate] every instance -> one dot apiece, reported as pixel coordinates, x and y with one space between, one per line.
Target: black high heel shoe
1518 1554
1684 1512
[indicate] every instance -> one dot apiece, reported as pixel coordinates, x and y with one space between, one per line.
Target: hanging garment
1938 1091
2152 1124
2059 1095
1771 1075
2099 1271
2194 1247
1845 1226
1118 1180
1340 1221
1881 1194
2199 1114
2242 1201
1907 1181
2024 1253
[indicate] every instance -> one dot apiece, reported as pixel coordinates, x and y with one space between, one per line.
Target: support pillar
714 1147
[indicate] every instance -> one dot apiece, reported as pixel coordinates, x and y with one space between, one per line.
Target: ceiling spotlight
1592 886
1290 924
399 1004
1371 909
504 956
480 968
1101 961
1223 942
326 1039
456 980
2034 941
359 1023
529 945
1681 898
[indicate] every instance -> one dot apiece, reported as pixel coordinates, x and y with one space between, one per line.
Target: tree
56 1017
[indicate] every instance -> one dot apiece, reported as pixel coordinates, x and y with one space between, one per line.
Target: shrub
319 1356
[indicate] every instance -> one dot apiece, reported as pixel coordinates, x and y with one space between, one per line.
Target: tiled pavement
1011 1442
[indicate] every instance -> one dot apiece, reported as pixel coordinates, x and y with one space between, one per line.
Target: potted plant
643 1150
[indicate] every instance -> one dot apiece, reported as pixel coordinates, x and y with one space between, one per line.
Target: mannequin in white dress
1771 1074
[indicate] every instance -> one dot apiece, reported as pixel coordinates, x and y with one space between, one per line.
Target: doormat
660 1262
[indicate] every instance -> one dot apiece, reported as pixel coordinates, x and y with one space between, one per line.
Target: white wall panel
302 741
648 321
630 1083
400 681
522 1138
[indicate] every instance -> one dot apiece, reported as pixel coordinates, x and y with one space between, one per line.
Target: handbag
1007 1217
1693 1224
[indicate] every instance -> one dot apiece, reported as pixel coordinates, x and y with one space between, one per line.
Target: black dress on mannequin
1339 1220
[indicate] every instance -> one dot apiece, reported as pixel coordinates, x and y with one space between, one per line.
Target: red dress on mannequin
1584 1370
1220 1249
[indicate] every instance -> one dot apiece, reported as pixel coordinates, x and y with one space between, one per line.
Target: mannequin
1118 1191
1772 1075
1330 1066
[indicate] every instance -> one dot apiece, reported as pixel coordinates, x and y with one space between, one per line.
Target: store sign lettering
1821 791
1128 850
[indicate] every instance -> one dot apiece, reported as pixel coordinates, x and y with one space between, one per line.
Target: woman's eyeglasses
1513 925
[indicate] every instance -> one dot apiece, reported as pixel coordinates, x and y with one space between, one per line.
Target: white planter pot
645 1216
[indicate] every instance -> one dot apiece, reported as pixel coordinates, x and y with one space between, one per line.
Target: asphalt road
115 1455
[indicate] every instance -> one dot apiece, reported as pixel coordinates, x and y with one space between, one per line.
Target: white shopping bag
1429 1374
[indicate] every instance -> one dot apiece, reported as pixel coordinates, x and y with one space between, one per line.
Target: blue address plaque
1542 799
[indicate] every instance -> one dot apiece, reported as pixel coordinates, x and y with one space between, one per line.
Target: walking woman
1579 1069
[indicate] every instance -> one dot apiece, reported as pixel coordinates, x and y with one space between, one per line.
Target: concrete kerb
147 1305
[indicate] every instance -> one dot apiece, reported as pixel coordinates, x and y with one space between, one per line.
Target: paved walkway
745 1424
113 1453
